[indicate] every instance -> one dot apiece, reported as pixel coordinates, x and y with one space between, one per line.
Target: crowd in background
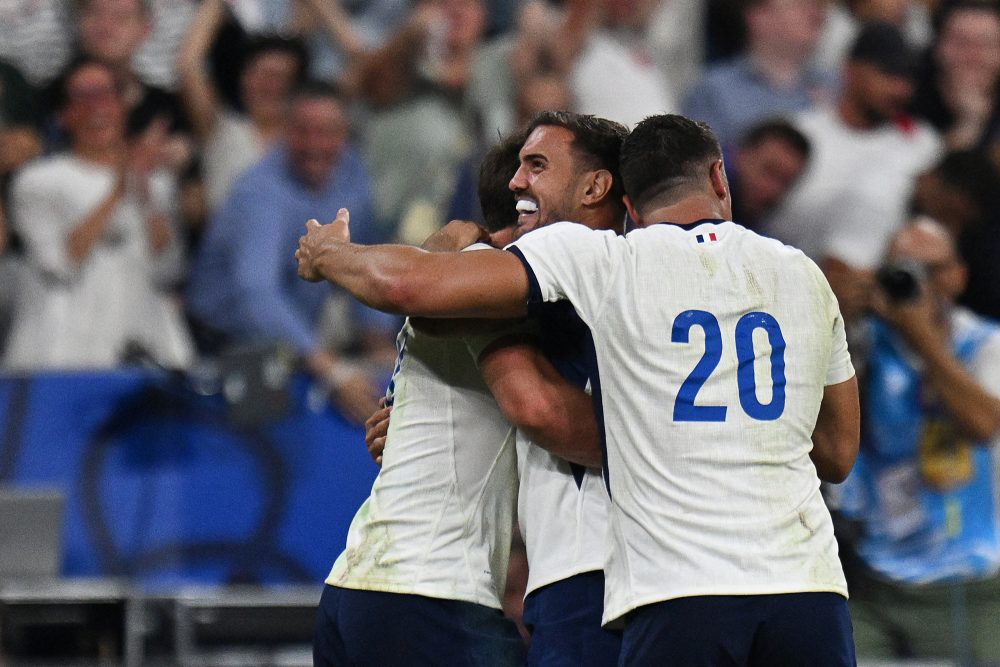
159 158
128 124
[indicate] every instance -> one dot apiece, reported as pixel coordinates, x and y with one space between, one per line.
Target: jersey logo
711 237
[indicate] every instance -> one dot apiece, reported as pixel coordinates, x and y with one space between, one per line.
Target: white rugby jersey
439 517
714 346
562 508
563 516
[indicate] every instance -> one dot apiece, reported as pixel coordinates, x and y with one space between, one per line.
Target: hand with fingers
317 238
376 429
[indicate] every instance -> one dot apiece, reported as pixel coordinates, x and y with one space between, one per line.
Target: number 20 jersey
714 346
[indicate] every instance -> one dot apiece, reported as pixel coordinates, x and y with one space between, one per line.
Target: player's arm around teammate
545 406
403 279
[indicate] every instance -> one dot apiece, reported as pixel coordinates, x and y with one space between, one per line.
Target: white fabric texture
703 507
439 518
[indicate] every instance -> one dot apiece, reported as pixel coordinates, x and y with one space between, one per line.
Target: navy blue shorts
790 630
565 623
369 628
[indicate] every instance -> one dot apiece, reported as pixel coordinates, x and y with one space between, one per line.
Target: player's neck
688 210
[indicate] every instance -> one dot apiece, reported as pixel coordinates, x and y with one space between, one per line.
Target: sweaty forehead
550 141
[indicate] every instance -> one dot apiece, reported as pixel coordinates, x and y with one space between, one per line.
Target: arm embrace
411 281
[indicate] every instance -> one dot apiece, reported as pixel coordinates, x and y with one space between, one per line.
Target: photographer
925 485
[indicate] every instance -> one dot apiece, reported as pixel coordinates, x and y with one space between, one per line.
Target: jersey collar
691 225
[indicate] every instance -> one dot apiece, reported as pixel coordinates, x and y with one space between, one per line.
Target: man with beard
866 153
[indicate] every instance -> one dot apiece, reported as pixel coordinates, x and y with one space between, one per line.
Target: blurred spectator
844 19
99 239
335 32
866 154
772 78
337 35
958 92
111 32
20 141
234 140
763 167
244 284
19 137
610 72
669 33
613 74
924 486
35 37
417 131
962 192
9 278
156 60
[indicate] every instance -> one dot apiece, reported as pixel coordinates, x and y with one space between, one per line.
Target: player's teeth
525 206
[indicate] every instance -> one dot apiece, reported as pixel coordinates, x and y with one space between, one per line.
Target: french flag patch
710 237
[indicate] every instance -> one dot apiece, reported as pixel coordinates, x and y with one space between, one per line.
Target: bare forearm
555 414
337 24
195 88
17 146
571 431
83 237
409 281
974 410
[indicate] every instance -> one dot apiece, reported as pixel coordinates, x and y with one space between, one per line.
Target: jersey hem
403 589
613 616
582 569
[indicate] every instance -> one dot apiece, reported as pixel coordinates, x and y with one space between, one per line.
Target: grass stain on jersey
753 286
709 262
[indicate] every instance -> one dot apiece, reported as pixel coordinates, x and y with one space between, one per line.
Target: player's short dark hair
664 153
777 128
495 171
596 141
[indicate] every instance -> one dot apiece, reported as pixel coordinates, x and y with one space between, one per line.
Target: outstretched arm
410 281
550 410
838 432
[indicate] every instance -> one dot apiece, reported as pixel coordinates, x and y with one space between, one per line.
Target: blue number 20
684 408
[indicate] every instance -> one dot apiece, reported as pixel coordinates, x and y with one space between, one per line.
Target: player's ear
632 212
720 183
598 186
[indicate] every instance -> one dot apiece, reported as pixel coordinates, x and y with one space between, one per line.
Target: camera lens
900 280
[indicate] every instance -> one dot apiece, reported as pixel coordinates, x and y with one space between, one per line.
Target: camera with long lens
902 280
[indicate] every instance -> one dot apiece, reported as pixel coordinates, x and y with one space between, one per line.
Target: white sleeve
840 368
567 261
41 222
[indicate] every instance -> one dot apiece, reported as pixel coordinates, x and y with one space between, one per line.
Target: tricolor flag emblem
711 237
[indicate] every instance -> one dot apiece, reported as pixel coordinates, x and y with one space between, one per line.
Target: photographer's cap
883 45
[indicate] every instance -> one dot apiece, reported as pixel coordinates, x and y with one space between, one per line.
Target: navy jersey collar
691 225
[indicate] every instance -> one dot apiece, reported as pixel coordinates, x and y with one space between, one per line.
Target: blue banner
162 487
